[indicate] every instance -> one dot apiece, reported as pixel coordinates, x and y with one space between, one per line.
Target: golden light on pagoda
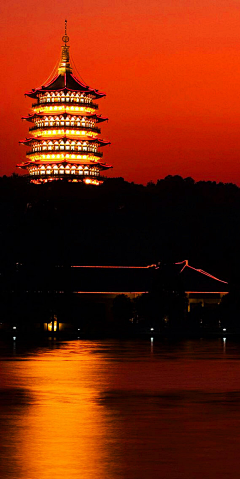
64 118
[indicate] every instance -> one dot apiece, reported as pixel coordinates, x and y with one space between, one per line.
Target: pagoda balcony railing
67 103
65 173
61 127
99 154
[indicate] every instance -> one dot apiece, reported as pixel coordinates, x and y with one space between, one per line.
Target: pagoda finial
65 38
64 65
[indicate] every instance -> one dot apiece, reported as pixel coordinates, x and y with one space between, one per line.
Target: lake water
120 409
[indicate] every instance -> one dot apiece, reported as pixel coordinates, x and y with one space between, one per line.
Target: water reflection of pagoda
64 137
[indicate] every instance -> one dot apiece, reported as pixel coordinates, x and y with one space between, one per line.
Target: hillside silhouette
121 223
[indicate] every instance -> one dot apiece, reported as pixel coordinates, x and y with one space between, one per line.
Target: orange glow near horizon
170 70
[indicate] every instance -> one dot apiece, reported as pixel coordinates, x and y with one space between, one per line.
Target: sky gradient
170 69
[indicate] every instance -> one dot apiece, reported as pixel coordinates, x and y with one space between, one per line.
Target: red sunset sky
170 68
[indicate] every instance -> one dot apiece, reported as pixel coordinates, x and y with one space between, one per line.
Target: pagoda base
65 178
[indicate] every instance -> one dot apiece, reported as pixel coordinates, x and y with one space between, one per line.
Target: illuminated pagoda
64 142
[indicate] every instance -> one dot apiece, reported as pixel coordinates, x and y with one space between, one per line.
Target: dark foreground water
120 409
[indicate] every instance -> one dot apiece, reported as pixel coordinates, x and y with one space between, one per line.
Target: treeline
165 312
121 223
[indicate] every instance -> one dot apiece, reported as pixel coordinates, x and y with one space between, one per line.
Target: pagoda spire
64 65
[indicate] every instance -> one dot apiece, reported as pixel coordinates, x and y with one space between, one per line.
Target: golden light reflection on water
115 409
62 433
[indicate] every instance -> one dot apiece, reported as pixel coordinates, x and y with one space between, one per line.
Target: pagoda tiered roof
67 161
29 141
66 82
93 116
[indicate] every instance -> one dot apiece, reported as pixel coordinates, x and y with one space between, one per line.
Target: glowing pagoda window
61 170
67 170
55 170
73 170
